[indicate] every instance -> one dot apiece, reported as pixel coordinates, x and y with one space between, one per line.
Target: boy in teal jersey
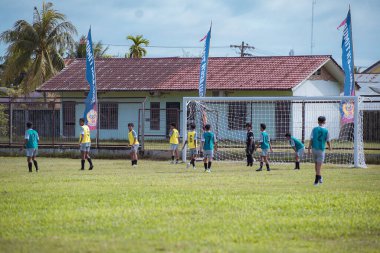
31 146
298 147
319 137
209 144
265 146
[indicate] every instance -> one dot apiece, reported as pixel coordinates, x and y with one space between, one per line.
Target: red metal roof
224 73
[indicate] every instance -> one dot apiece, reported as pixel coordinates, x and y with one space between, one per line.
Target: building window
155 116
215 93
237 114
109 115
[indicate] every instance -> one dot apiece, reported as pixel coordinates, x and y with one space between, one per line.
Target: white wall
312 112
311 88
127 112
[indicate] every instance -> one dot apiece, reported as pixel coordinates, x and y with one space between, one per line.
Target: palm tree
79 50
136 51
35 48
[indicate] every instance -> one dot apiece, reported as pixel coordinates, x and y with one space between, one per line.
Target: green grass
159 207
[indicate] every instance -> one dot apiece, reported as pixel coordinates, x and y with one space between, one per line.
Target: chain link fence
57 123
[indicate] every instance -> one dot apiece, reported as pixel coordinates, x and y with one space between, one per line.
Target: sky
174 27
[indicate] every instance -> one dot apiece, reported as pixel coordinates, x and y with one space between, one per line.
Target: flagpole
352 45
96 104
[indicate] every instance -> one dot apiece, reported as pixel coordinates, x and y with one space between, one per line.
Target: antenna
312 26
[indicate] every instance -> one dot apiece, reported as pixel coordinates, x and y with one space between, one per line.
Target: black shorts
249 150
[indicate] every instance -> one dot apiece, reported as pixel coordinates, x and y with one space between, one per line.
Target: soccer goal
295 115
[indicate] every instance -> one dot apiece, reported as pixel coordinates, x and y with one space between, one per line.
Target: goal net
295 115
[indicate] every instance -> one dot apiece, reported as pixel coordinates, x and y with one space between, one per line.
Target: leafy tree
36 48
79 50
136 50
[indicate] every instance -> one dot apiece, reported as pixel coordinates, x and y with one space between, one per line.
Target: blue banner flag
204 63
90 113
347 108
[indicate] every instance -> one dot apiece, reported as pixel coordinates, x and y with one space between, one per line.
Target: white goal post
295 115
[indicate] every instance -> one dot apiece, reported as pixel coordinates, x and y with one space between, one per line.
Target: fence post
184 127
303 121
10 123
53 133
143 126
97 126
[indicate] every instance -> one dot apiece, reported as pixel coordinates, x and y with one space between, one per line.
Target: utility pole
312 26
243 47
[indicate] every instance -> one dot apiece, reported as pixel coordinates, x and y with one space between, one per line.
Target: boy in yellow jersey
134 143
192 143
85 144
174 141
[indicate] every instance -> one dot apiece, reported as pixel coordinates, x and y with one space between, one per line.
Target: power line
244 46
157 46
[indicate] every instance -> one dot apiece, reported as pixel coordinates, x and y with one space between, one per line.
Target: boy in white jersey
134 143
192 144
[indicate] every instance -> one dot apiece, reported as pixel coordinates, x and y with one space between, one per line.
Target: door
172 114
282 114
68 115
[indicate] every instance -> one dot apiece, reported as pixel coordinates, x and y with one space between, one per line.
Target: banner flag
90 113
204 63
347 108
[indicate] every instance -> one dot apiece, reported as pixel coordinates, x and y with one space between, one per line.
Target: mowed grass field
159 207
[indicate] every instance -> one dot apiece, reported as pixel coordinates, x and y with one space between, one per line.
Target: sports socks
82 163
30 166
297 165
35 164
192 162
209 165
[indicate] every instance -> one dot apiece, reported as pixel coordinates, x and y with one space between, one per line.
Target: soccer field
159 207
